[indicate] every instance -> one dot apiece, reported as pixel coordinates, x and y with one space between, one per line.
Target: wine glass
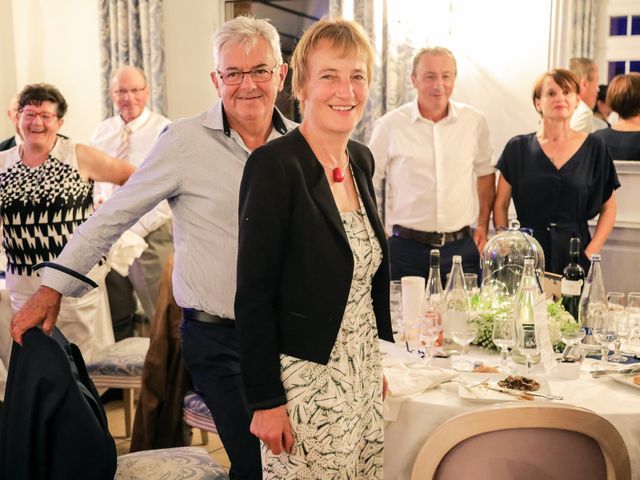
395 305
463 334
528 344
615 301
571 334
604 332
431 330
504 336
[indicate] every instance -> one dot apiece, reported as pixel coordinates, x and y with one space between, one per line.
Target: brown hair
37 93
623 95
345 35
564 78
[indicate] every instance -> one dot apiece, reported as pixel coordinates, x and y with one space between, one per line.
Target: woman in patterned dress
46 192
313 280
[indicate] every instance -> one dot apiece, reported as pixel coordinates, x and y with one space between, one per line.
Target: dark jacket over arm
295 264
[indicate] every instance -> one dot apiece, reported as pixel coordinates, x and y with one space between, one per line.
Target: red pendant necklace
337 172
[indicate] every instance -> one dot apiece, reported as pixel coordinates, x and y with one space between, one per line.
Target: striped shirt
197 165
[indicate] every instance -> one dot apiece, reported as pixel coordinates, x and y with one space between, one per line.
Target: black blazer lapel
323 197
369 204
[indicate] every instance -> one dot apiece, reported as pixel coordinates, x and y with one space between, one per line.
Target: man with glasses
129 135
197 165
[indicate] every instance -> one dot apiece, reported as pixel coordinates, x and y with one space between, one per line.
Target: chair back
511 441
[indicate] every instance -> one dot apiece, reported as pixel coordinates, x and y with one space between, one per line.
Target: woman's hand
273 428
385 387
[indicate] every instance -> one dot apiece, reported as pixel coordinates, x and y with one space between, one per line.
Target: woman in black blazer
313 279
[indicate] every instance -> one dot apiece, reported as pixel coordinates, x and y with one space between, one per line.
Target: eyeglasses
132 91
31 115
258 75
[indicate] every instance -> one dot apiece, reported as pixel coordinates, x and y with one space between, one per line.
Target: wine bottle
457 308
433 295
593 301
572 280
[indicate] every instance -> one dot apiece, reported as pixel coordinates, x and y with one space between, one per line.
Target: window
635 25
634 66
618 26
616 68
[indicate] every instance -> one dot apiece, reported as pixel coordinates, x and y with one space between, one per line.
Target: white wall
56 41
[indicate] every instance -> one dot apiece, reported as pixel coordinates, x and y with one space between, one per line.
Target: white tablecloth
419 416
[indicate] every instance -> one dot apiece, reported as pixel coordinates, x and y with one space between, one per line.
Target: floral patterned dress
335 410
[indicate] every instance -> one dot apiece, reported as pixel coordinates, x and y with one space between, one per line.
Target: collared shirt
145 130
197 167
582 118
431 167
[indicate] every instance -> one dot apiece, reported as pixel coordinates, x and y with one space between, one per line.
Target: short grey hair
434 51
582 68
246 31
121 68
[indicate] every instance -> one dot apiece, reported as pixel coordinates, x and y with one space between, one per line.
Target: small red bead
338 175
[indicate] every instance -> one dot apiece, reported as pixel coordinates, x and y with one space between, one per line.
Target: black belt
192 314
432 239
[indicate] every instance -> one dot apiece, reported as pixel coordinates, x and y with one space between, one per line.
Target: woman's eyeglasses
30 115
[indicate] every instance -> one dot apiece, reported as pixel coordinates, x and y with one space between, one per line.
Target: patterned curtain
395 41
131 33
583 42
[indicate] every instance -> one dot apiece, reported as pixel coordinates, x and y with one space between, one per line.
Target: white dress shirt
582 118
144 132
431 167
196 164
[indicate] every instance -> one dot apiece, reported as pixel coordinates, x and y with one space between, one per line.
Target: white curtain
131 33
583 40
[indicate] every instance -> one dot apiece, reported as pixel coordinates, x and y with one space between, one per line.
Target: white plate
485 395
626 380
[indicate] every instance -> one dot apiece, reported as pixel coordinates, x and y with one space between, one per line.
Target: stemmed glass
431 330
615 300
604 332
463 334
571 334
528 344
504 336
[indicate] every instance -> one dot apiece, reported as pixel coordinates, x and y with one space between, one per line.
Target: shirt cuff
64 283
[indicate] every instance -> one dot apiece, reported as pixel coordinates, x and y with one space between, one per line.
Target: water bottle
456 308
593 301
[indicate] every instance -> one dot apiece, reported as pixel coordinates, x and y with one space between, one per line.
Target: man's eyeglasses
31 115
132 91
258 75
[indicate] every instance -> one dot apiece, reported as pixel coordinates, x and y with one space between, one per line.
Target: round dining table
421 414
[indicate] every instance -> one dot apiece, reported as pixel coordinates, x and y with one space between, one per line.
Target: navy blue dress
557 203
621 145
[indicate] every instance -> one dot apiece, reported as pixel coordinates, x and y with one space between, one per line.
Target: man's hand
42 308
480 238
273 428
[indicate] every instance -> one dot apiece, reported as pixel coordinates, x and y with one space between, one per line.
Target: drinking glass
615 301
430 331
604 332
504 336
471 283
395 305
633 319
528 344
463 335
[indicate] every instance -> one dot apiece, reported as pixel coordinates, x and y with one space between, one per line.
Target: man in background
586 71
435 156
12 113
129 135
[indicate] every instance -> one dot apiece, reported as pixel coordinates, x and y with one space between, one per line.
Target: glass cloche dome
503 259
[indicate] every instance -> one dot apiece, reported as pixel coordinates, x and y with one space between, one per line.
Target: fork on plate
628 371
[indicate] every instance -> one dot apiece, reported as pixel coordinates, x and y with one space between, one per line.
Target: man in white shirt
588 77
130 136
435 156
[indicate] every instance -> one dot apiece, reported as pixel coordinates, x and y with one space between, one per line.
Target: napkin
408 378
124 252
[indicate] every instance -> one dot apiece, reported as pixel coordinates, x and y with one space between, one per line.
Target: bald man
129 135
12 113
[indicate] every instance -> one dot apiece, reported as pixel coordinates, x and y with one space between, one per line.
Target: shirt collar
137 122
452 113
216 119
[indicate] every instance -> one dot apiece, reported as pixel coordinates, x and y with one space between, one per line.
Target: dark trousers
210 353
409 257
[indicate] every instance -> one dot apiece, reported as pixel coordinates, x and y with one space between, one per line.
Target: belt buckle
442 240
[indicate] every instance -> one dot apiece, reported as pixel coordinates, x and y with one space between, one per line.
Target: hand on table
273 428
42 308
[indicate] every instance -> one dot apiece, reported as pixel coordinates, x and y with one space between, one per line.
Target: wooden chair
197 415
543 441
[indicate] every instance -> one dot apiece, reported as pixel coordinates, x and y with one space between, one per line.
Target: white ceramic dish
483 394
